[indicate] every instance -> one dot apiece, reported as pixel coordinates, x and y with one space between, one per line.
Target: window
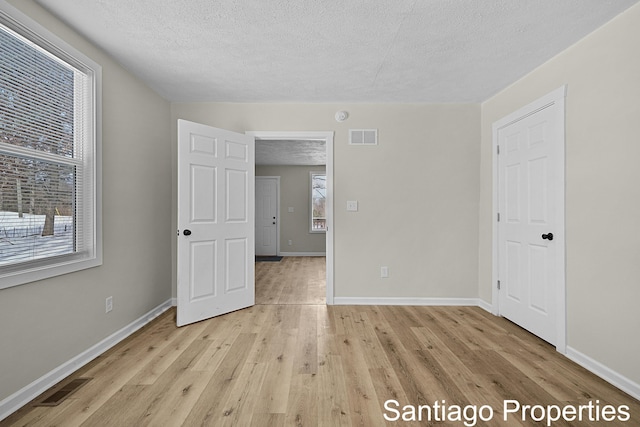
318 202
49 154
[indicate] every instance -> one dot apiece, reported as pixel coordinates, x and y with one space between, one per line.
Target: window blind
45 180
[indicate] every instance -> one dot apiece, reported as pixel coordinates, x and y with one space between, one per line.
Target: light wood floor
302 364
294 280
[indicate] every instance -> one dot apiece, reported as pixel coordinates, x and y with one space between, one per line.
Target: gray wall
418 190
602 187
295 192
47 323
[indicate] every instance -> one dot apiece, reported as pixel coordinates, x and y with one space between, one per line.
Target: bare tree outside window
318 202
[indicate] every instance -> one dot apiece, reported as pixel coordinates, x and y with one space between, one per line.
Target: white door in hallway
267 215
215 250
530 231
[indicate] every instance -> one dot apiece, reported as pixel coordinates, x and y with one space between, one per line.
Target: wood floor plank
239 407
365 407
327 344
302 410
306 356
374 354
332 392
268 420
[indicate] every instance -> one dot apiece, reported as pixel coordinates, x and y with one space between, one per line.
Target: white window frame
18 274
311 229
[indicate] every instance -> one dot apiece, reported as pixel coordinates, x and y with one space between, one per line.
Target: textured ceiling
290 152
433 51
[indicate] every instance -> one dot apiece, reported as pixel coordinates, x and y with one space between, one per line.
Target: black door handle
548 236
187 232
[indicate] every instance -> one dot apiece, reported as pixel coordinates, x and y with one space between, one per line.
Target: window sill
42 272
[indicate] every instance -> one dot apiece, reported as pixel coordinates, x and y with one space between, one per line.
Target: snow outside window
49 152
318 202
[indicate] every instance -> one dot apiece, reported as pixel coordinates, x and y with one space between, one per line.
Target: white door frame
556 99
328 138
277 178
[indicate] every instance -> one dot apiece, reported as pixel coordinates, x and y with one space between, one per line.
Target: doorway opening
302 150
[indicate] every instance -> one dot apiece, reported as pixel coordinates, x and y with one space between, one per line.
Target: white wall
602 188
295 192
417 190
46 323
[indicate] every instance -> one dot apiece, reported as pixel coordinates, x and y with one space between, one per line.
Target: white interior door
266 216
530 229
216 185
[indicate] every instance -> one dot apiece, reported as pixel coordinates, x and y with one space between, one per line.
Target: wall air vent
363 136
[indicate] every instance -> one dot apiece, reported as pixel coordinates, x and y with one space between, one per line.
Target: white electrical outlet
290 210
352 205
290 242
108 304
384 272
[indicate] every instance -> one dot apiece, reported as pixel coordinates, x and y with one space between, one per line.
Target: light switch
290 210
384 272
352 205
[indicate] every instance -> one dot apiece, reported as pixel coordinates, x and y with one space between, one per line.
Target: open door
216 198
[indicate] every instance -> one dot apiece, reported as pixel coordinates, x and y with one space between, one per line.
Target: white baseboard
302 254
20 398
485 305
604 372
408 301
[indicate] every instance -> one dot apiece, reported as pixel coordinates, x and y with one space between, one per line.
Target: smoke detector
341 116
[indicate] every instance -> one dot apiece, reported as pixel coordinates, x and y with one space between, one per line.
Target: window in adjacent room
318 202
49 154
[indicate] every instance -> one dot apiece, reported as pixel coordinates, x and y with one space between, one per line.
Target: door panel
512 194
539 276
203 267
236 192
538 209
526 195
203 205
215 222
238 261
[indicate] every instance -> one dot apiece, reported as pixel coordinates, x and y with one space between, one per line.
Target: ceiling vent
363 136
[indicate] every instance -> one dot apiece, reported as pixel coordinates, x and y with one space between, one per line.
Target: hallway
294 280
